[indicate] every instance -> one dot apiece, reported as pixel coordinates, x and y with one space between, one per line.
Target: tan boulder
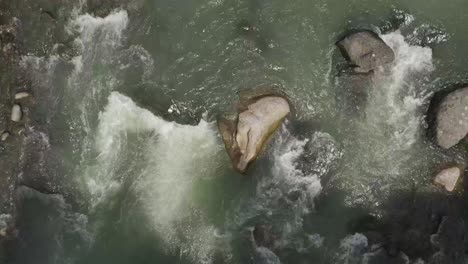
448 178
246 132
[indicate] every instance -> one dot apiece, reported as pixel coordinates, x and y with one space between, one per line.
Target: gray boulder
451 124
365 50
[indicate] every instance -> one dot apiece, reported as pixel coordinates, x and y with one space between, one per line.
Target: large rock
451 122
365 50
245 133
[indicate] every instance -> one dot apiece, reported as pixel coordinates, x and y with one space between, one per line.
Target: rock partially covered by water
448 178
450 239
451 124
246 132
365 50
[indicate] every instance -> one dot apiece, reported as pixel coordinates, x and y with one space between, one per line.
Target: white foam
352 248
396 97
110 28
388 136
409 61
5 220
178 156
288 192
286 174
316 240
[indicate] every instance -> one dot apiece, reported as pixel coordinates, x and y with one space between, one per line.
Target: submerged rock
448 178
365 50
450 239
451 120
246 132
263 236
16 113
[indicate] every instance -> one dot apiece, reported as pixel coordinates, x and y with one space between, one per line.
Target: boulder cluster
247 129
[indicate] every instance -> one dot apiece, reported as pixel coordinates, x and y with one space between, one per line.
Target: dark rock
365 50
382 257
450 124
413 218
320 157
263 236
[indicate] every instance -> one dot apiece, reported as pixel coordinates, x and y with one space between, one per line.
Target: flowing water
129 111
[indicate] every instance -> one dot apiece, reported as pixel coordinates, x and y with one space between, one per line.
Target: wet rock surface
245 133
450 124
365 51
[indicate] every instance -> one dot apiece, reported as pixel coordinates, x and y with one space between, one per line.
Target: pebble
16 113
21 95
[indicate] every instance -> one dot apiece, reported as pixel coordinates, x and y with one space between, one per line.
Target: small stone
21 95
5 135
16 113
448 178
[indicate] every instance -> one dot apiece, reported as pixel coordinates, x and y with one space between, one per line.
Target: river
125 127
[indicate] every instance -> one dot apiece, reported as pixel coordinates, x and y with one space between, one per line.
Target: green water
140 189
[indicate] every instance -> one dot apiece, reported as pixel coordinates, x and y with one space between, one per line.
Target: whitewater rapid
388 137
166 171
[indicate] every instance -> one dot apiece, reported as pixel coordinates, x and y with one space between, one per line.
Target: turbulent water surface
126 104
